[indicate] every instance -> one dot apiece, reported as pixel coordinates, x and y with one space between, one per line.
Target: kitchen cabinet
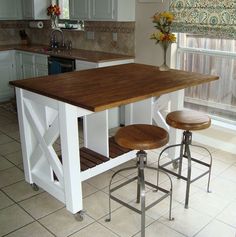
79 9
10 10
35 9
7 69
103 10
41 65
27 65
31 65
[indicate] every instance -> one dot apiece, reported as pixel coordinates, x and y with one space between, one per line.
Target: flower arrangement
54 11
163 23
163 36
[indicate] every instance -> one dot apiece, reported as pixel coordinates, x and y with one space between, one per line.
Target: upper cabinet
79 8
103 10
35 9
10 10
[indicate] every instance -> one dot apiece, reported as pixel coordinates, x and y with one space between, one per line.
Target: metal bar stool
141 137
187 121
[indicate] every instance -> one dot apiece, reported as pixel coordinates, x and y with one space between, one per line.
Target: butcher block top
103 88
80 54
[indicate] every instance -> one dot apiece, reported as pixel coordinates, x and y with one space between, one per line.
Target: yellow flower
163 23
172 38
168 15
163 37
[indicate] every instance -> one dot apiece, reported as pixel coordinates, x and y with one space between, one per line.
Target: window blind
215 18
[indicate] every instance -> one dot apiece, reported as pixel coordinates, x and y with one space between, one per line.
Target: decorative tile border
105 26
96 26
21 24
13 24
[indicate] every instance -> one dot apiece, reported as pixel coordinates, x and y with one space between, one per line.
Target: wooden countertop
80 54
103 88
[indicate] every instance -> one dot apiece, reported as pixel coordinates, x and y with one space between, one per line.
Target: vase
164 66
54 21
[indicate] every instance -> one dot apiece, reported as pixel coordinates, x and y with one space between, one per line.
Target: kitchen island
49 107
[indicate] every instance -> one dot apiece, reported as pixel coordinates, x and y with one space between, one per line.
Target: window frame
206 52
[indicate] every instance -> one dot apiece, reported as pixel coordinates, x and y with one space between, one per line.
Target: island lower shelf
90 161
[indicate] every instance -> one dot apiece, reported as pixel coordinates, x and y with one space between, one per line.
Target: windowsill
70 29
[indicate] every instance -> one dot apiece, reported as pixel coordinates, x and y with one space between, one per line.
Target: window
64 5
211 56
64 18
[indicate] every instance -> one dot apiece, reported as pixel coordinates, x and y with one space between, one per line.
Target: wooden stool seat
188 120
141 137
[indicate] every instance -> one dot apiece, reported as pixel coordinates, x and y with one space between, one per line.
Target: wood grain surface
103 88
141 137
188 120
80 54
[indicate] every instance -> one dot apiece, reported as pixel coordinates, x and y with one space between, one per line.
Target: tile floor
24 212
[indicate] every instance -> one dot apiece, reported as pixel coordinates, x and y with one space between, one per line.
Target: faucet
53 42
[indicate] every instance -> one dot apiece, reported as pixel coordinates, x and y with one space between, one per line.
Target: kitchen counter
80 54
104 88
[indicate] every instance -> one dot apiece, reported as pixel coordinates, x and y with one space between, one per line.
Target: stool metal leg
181 158
188 176
140 155
142 195
109 205
210 166
138 186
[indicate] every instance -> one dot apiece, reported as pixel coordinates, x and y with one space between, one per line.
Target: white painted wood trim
69 135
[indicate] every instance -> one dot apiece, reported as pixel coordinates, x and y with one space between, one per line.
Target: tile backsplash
9 31
115 37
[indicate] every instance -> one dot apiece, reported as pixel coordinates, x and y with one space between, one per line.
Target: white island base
43 120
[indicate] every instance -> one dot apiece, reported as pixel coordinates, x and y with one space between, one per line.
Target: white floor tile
12 218
125 222
10 176
217 229
96 230
62 223
41 205
5 139
96 205
21 191
5 201
33 230
160 230
228 215
9 148
15 157
4 163
187 221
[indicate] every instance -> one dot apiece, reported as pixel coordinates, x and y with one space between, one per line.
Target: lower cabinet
8 73
41 65
31 65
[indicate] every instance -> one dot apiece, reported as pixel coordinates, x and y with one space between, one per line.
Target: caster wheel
79 216
35 187
175 164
